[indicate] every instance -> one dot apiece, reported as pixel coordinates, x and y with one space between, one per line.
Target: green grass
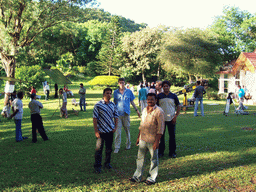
214 153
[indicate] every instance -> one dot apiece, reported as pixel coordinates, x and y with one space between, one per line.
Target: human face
107 95
158 86
166 88
121 84
151 101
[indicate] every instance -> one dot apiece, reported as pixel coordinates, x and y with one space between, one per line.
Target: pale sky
174 13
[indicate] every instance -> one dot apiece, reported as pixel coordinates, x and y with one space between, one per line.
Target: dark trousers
47 94
172 142
56 93
37 123
107 138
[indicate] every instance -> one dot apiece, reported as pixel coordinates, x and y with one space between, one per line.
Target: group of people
35 107
109 117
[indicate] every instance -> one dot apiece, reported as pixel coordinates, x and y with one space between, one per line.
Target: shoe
19 140
24 137
149 182
195 115
134 179
34 141
116 151
108 166
173 155
97 169
160 155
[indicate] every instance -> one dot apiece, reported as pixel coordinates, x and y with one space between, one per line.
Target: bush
212 94
106 81
31 76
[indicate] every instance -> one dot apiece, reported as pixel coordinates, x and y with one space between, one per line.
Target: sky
174 13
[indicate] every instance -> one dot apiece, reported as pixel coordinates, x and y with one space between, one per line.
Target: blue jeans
18 130
82 103
201 105
153 170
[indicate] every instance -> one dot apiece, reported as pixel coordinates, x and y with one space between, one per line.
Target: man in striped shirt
105 120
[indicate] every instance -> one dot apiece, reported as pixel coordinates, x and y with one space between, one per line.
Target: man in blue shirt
123 98
104 127
143 97
241 94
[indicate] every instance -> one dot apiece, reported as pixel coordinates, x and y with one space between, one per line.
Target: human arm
157 141
97 133
136 109
138 139
116 123
176 114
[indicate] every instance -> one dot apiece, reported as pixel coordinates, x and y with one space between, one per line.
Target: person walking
18 114
150 132
47 91
105 118
56 90
241 94
36 119
143 97
123 98
198 95
82 93
170 104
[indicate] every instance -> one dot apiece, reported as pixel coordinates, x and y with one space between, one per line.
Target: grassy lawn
214 153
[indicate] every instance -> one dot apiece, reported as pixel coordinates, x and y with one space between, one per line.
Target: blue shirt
123 101
143 94
105 114
241 93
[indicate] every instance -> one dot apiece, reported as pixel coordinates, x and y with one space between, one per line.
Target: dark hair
151 94
198 83
20 94
32 95
121 79
166 82
107 89
82 84
60 89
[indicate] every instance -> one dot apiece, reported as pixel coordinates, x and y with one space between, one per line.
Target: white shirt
17 104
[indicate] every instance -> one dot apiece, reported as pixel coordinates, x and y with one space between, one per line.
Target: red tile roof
251 57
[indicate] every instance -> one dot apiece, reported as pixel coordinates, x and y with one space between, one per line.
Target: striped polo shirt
105 114
168 103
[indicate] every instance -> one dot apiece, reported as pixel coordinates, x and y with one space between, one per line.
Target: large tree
21 21
236 30
142 48
193 51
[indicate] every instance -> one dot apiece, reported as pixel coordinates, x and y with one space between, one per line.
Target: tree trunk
189 78
158 72
143 76
9 63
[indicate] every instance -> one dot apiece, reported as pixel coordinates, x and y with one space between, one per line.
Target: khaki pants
123 121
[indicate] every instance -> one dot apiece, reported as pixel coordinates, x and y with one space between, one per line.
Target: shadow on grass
204 145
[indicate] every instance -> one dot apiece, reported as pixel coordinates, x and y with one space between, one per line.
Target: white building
239 72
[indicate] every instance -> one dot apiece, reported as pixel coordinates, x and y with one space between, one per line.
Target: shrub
107 81
31 76
211 94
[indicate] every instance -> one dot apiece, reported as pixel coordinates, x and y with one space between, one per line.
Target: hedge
109 81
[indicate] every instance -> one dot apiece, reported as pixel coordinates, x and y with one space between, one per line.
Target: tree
21 21
193 51
236 31
142 48
110 54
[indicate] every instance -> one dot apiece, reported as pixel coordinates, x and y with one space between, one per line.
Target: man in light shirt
151 130
18 114
36 119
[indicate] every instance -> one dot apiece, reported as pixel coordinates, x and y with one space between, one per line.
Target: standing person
143 97
132 89
56 90
241 94
198 95
36 119
138 88
82 93
123 98
104 126
63 109
158 87
170 104
150 132
47 91
33 90
18 114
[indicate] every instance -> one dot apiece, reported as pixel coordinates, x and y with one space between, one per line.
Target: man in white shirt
18 114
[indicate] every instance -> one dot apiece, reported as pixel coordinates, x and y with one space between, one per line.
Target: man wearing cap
36 119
